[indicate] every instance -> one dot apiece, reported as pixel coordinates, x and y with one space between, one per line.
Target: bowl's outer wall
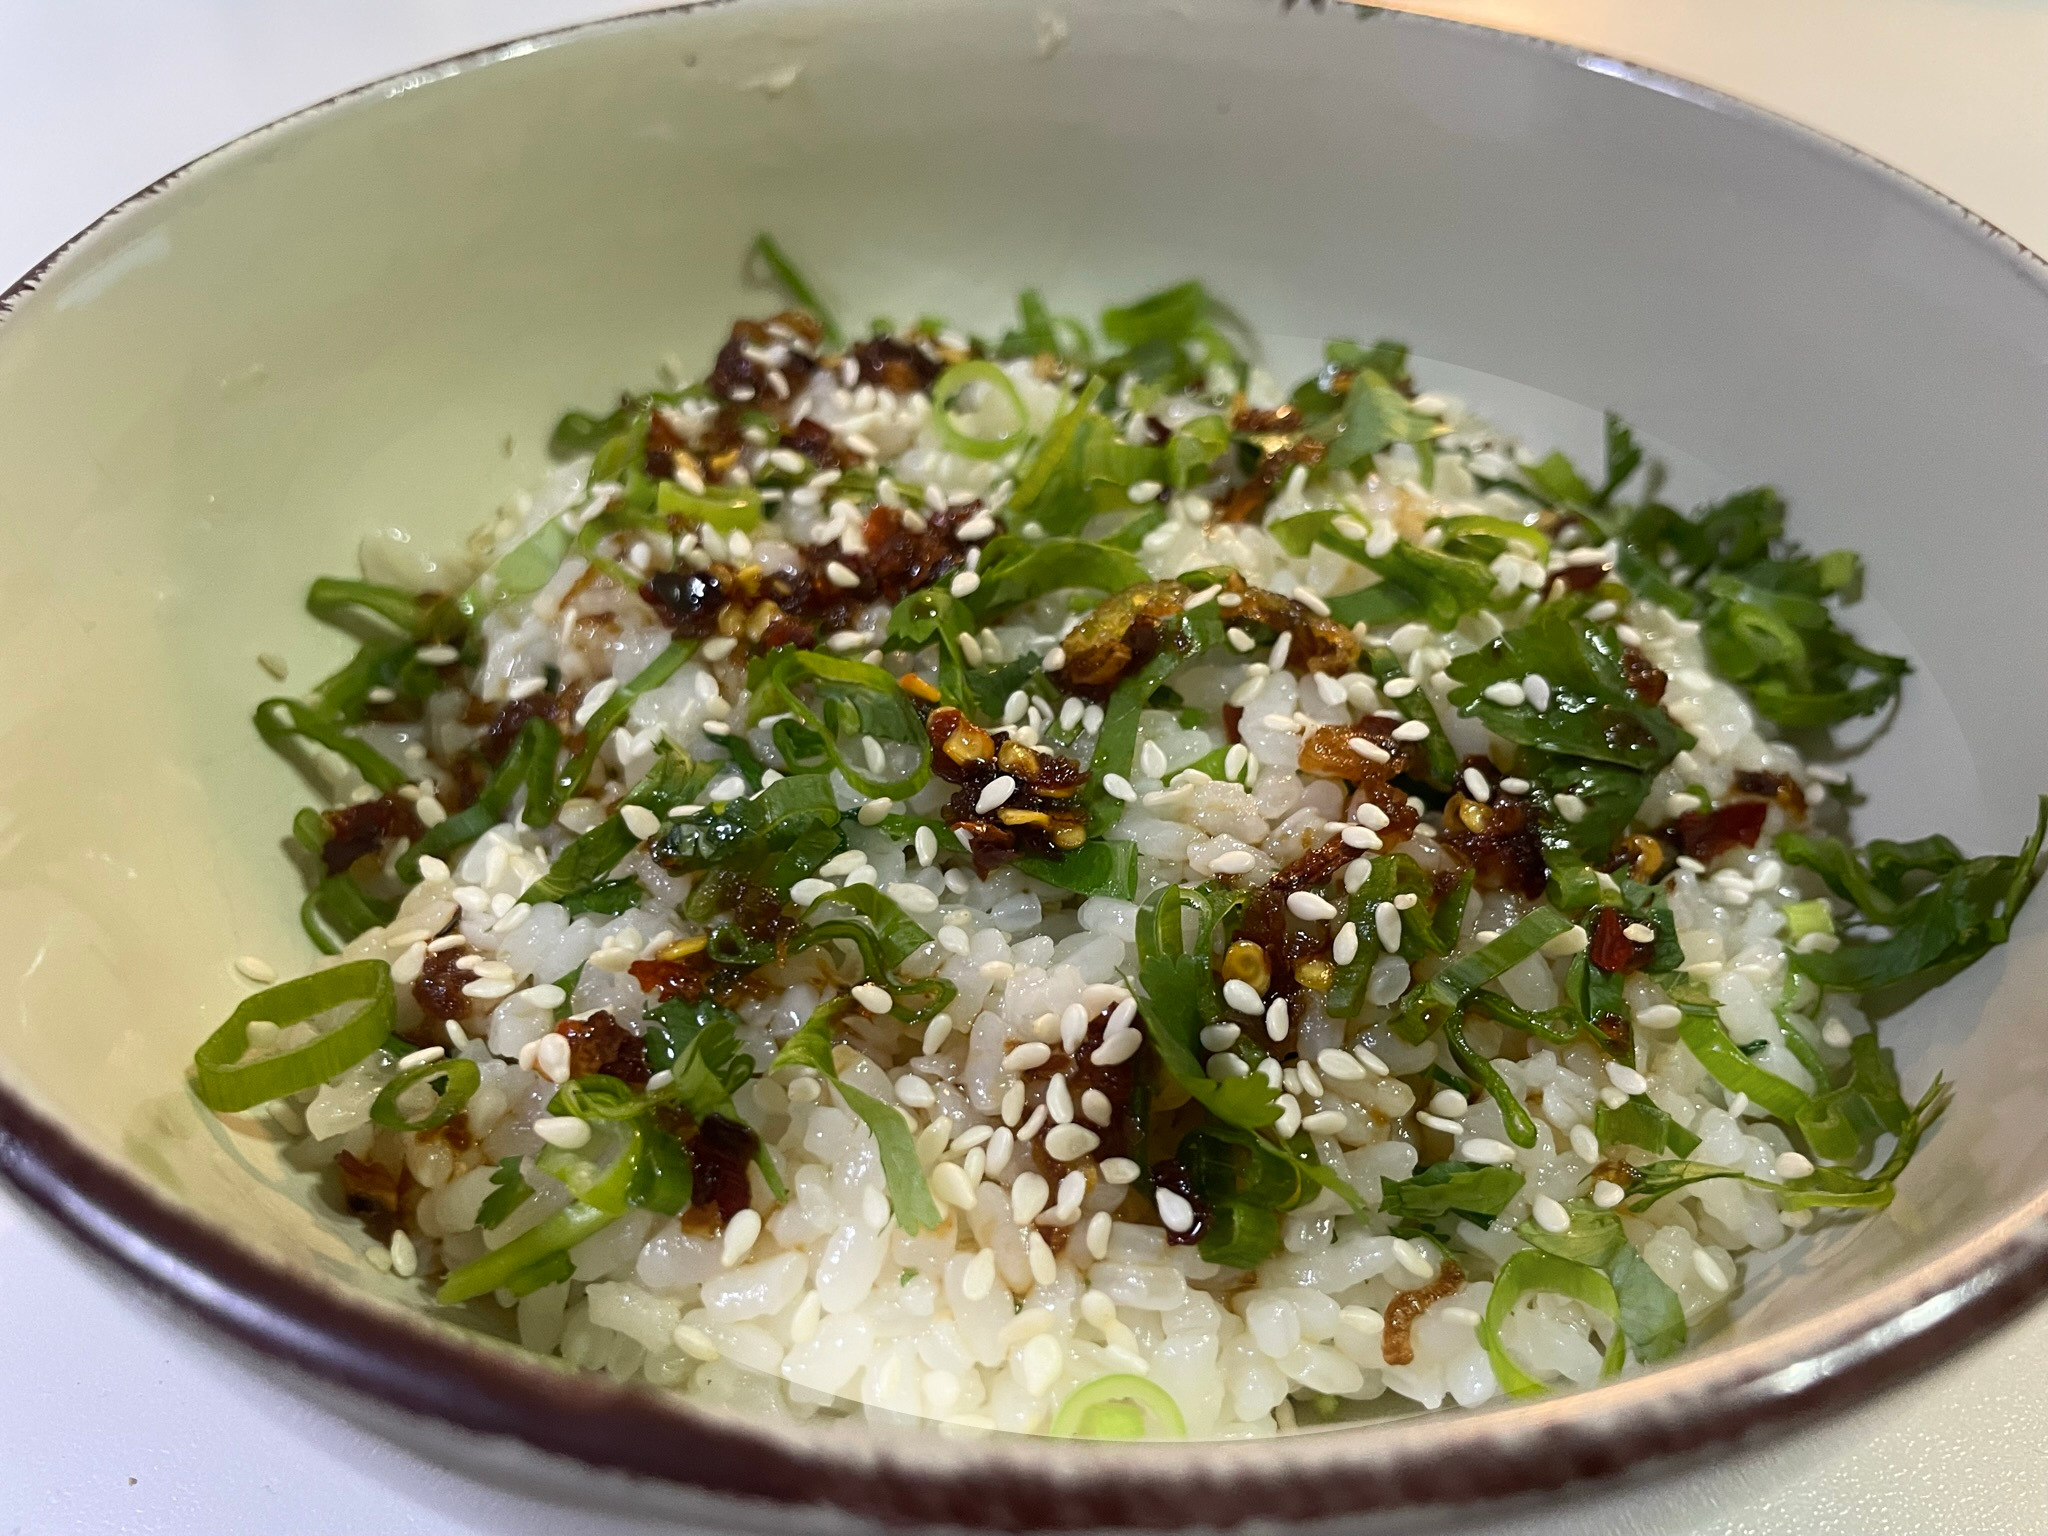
370 316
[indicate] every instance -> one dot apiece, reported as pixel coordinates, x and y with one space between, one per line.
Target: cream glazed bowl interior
369 315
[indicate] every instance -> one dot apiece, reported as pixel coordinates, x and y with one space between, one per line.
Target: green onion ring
463 1080
225 1083
954 382
1114 1408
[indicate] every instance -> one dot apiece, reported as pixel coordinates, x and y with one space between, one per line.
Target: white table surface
113 1422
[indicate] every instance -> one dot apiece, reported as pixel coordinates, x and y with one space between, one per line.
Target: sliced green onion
728 509
599 1173
1431 1007
225 1083
459 1079
796 285
1521 1129
1525 1274
1708 1039
530 763
337 910
279 720
954 383
1116 1408
910 1195
1805 917
557 1235
610 713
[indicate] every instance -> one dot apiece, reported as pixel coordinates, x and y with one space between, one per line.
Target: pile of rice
1031 1288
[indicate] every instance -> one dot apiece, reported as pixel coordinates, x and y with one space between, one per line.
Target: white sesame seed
874 812
1345 948
1476 785
1144 490
873 998
1791 1165
1413 1259
1028 1196
1607 1194
804 892
1241 995
1410 730
1627 1079
1028 1056
256 970
1639 933
912 897
966 584
741 1233
1220 1036
1386 922
840 575
1550 1216
1836 1034
640 821
420 1057
1536 688
1312 600
1221 1068
1174 1210
1483 1149
1096 1236
997 792
1206 595
1449 1103
564 1131
1438 1122
1310 907
1570 807
1276 1019
1278 658
1325 1122
1506 693
1118 1170
1118 1048
1118 787
1065 1143
405 1259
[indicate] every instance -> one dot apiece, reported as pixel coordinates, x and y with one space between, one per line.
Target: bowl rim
393 1356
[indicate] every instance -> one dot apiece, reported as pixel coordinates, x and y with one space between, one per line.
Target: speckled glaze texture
369 314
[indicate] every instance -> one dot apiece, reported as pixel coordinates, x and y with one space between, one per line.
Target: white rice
832 1303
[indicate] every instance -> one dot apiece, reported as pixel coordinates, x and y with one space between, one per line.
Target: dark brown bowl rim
393 1357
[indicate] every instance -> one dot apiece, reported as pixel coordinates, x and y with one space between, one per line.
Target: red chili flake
686 601
1612 950
895 365
1575 578
355 831
1497 836
1781 787
381 1199
686 978
1643 677
814 440
738 376
1253 421
719 1155
1706 835
498 737
600 1044
438 987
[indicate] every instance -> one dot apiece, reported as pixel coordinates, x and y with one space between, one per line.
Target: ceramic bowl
369 314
